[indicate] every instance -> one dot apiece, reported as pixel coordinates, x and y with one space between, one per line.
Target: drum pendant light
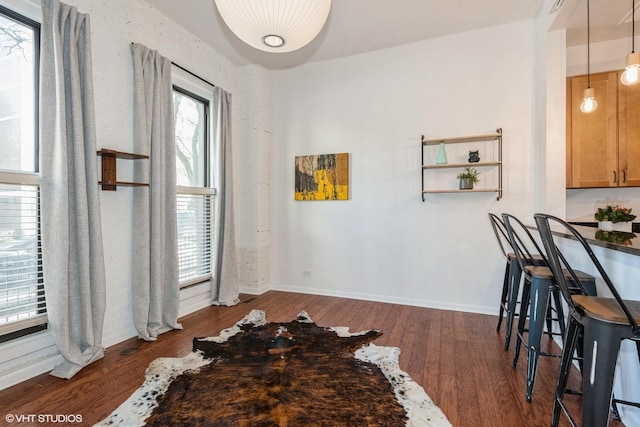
275 25
631 74
589 103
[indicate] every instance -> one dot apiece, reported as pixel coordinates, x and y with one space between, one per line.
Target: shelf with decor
109 181
494 162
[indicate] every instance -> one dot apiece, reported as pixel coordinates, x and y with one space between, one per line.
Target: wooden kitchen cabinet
629 135
603 147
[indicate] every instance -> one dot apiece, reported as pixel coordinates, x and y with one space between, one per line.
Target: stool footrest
626 402
573 392
542 353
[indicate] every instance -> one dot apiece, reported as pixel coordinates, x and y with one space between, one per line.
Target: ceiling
609 20
358 26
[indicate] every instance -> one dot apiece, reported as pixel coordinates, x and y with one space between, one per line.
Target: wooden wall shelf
495 162
109 180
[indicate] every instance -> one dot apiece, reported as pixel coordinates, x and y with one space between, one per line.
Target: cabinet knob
624 176
615 177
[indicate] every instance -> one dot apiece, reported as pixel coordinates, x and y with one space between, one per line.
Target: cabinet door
629 135
593 137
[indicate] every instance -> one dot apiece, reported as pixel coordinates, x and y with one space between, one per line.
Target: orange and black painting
322 177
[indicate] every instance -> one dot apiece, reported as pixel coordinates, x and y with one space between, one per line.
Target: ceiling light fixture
631 74
589 103
275 25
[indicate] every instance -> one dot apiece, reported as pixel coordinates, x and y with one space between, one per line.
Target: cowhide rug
294 374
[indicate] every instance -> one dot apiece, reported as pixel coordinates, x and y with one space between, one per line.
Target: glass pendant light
631 74
589 103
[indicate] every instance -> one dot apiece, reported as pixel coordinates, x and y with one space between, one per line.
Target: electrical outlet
306 273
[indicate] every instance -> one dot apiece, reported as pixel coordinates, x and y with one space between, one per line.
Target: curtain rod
193 74
190 72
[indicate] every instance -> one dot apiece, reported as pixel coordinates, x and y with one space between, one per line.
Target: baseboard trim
255 291
32 370
388 299
192 308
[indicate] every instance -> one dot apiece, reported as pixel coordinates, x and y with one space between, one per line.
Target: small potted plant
468 177
614 217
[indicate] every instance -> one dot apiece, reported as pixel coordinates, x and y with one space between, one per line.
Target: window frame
207 133
21 328
190 86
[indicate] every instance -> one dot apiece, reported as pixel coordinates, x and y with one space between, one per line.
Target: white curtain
226 287
155 289
73 258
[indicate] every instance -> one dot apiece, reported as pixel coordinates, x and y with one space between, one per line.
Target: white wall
253 151
605 56
554 172
115 25
385 243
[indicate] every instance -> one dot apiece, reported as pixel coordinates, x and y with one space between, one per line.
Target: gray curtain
226 287
73 258
155 288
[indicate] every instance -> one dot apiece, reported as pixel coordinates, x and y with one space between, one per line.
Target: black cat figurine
474 157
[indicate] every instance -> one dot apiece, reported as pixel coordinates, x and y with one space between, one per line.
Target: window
196 197
22 303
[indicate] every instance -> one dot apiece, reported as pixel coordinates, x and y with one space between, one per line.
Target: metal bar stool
537 292
605 322
512 276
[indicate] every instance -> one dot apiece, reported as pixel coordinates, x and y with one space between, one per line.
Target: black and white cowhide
280 374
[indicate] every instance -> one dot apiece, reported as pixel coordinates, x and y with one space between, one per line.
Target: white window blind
195 233
22 302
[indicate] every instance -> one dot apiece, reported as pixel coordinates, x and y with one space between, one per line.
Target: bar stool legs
568 349
537 317
505 293
601 347
536 298
513 289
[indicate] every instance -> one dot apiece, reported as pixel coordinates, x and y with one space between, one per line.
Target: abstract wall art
322 177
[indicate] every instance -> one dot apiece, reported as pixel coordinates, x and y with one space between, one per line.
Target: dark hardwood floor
458 358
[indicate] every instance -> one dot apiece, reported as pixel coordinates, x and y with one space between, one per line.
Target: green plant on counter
614 213
470 174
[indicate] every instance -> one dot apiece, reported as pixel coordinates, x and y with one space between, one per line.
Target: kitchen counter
616 240
635 226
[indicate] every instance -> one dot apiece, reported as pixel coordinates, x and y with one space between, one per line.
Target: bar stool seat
607 309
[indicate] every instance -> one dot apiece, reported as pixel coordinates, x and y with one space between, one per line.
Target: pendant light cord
633 26
588 49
